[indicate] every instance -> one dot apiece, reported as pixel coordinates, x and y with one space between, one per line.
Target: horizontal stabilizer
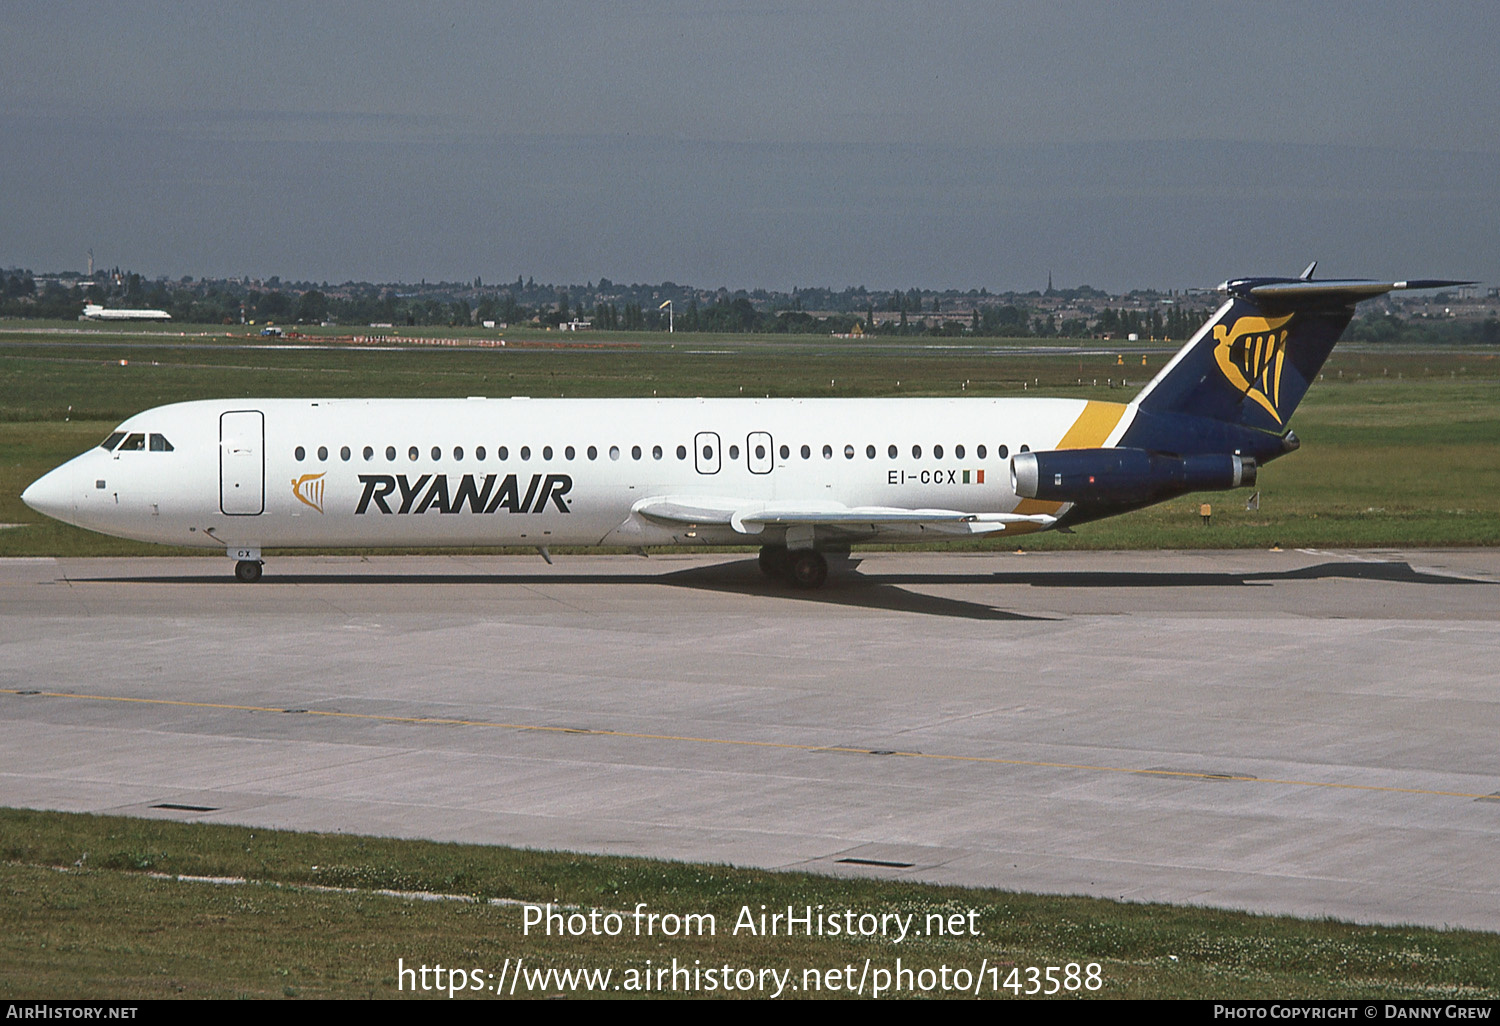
1279 291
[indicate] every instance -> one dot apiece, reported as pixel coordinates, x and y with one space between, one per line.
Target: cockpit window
135 443
159 443
113 440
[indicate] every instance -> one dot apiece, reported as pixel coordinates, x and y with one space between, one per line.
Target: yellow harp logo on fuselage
309 489
1251 354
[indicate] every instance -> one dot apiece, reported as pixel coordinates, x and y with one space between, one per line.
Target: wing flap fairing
749 518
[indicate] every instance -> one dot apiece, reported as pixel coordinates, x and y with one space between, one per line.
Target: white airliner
798 477
95 312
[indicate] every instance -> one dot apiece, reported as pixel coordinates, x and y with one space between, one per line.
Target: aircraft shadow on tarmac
742 577
1391 572
866 591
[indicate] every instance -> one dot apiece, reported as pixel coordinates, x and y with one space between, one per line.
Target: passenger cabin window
159 443
299 454
113 440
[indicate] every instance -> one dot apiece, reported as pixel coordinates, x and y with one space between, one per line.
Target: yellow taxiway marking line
784 745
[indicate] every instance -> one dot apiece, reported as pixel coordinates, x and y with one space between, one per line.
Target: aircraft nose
53 494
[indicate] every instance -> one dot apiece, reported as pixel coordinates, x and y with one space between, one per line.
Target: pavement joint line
744 743
383 892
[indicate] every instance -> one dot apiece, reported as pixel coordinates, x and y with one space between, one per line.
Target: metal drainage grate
185 808
879 862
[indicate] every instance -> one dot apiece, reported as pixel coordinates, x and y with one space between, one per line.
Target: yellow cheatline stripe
1093 425
740 743
1089 431
1028 507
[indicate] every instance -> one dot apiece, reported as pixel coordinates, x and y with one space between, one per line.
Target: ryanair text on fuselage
430 492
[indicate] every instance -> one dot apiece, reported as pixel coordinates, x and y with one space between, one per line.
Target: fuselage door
758 452
242 463
706 452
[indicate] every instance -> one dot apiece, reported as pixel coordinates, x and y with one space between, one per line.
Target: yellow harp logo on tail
1251 354
309 489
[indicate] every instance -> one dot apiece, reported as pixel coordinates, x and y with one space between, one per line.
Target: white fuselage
537 472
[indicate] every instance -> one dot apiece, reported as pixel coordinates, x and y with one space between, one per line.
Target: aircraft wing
752 518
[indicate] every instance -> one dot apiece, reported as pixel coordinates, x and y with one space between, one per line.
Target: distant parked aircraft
95 312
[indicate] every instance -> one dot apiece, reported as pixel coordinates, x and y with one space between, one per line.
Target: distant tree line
611 306
221 303
1388 328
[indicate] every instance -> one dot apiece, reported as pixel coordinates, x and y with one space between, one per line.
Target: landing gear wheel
809 570
774 562
248 570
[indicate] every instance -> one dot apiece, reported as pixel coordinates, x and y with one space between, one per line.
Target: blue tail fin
1252 363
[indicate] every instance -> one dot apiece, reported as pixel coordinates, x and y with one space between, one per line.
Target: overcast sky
753 144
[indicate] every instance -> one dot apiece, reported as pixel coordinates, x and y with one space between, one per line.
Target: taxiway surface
1302 732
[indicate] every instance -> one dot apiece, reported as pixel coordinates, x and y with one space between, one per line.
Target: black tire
809 570
247 570
774 562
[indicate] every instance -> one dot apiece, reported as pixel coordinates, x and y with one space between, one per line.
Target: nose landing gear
247 562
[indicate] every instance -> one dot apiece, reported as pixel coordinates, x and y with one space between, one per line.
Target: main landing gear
804 568
247 570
